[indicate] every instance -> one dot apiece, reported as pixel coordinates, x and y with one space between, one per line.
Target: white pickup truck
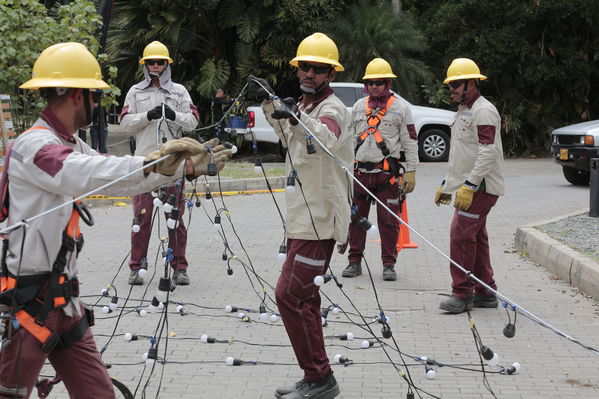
432 124
573 147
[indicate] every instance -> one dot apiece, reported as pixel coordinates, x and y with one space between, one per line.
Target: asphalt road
551 366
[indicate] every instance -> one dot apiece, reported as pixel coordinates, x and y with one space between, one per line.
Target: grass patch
245 170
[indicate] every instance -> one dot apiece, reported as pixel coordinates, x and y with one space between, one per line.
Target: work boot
326 388
484 301
455 305
135 278
352 270
282 391
181 277
389 273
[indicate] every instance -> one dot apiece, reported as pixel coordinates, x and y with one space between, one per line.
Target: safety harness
31 298
388 164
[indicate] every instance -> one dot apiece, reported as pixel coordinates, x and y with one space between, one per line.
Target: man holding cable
318 209
46 167
156 109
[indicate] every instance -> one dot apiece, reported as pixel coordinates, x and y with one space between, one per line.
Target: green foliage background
26 28
541 56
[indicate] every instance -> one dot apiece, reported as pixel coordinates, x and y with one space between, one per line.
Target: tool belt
32 298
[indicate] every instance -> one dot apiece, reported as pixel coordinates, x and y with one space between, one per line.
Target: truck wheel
433 146
575 176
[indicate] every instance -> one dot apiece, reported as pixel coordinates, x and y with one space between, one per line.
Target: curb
576 269
226 187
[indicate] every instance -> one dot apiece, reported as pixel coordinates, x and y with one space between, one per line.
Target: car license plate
563 154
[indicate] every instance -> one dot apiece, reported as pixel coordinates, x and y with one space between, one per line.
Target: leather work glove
282 113
179 148
156 113
464 196
211 152
260 87
440 197
409 182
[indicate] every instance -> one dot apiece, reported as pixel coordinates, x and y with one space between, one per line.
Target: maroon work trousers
79 366
298 300
143 207
469 247
387 224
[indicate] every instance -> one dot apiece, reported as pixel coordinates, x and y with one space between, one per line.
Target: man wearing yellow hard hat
317 208
475 174
156 110
46 167
382 128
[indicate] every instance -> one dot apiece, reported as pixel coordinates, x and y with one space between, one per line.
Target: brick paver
552 367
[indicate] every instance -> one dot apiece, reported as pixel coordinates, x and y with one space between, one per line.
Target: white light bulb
234 149
241 315
431 374
229 361
135 228
150 362
423 358
145 356
263 316
104 291
319 280
373 231
335 310
154 194
142 273
179 308
112 306
157 203
216 226
494 361
516 366
337 358
105 309
282 257
208 200
172 223
142 313
365 344
204 338
257 170
168 208
161 296
228 308
274 318
290 189
128 337
323 321
350 336
161 304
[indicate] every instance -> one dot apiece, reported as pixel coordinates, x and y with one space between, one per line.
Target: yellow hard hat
66 65
378 68
318 47
156 51
463 68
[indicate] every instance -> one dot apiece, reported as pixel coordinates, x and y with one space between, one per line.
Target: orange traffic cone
403 240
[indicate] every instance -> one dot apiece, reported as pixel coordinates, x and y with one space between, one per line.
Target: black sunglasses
318 69
454 84
97 96
152 62
375 83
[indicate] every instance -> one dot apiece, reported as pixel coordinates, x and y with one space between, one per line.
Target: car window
347 95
